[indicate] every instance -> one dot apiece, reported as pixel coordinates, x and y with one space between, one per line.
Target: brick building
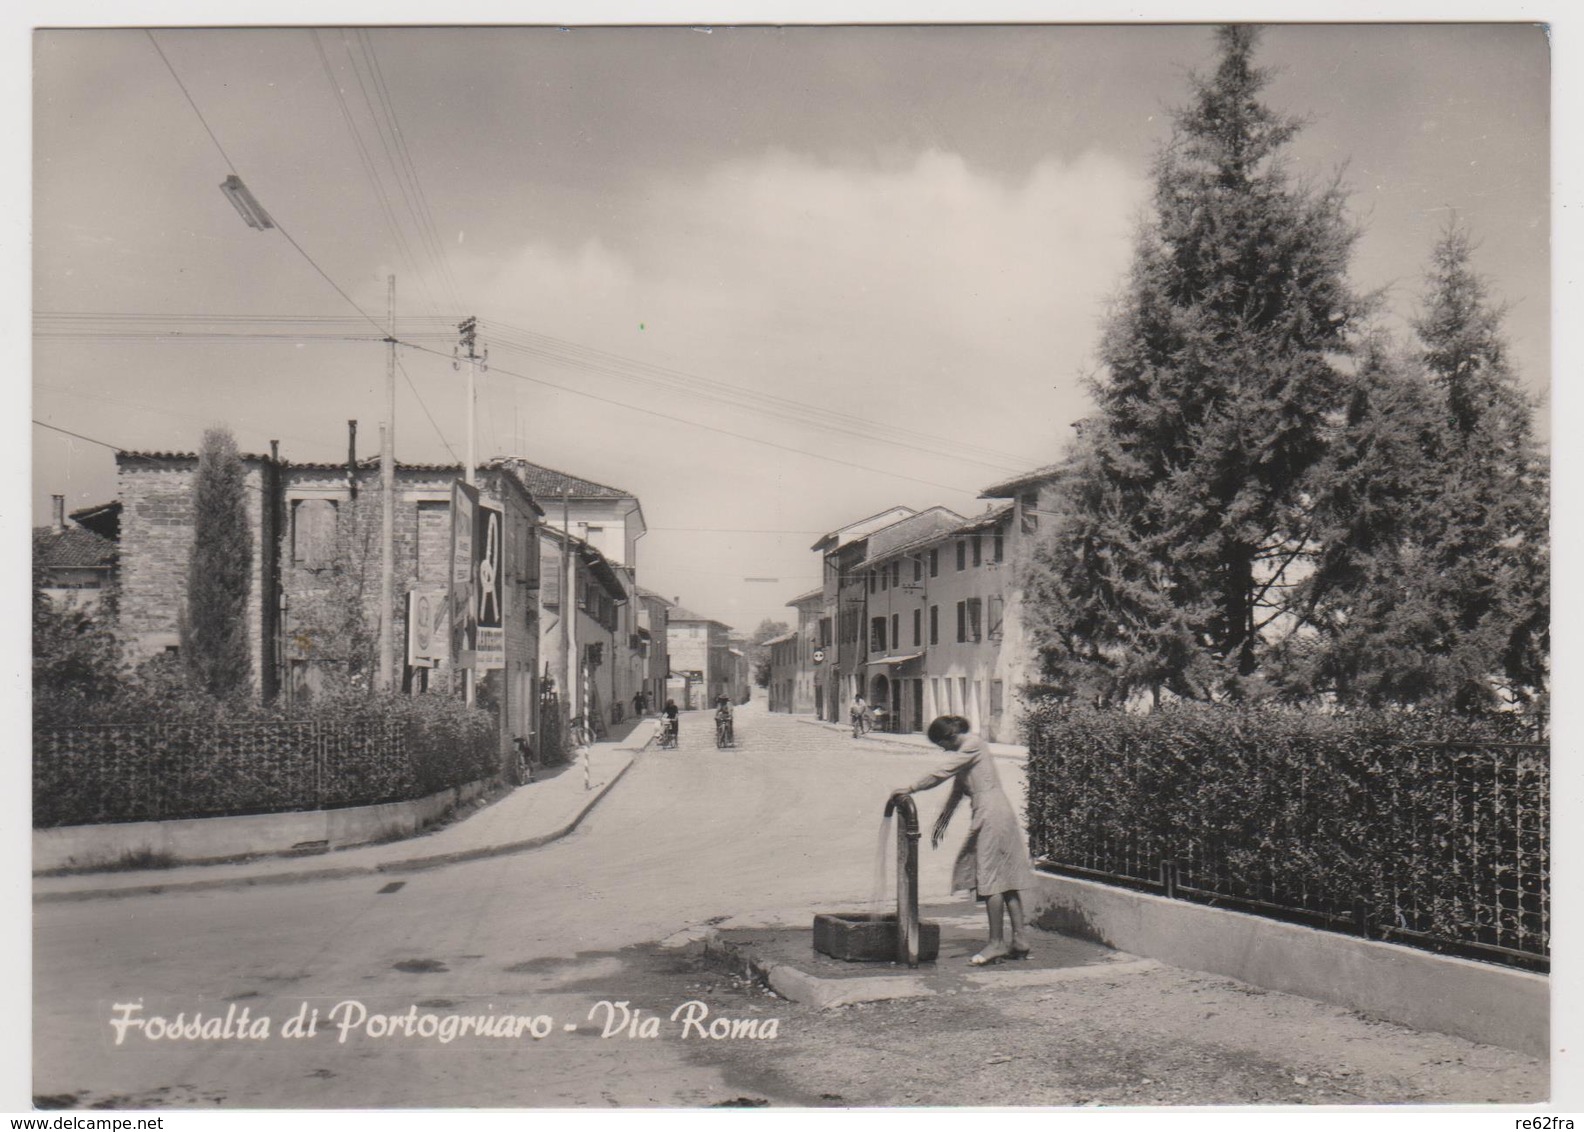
314 570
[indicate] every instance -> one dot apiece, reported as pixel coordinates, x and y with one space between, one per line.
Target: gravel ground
1157 1037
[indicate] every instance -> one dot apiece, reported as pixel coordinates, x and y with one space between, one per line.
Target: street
789 819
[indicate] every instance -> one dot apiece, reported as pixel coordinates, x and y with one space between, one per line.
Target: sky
771 280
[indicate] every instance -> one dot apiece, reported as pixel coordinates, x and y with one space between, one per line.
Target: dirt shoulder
1157 1036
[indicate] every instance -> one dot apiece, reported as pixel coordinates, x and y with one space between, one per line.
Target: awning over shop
894 661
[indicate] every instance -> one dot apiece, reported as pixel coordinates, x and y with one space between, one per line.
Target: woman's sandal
1018 953
983 960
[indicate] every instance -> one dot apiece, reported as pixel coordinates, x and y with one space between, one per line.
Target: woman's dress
993 859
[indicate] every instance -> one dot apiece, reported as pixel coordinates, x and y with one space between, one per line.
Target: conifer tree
215 628
1486 537
1190 496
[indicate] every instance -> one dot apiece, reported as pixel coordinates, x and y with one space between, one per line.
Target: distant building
74 565
611 521
702 668
841 550
813 637
784 672
585 651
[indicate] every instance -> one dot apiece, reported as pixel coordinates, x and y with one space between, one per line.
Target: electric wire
380 131
230 165
398 237
425 210
415 338
722 431
79 436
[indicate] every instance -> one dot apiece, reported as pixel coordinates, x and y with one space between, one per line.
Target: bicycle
667 740
862 723
723 733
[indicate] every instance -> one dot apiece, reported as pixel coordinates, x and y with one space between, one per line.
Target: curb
901 744
413 864
797 985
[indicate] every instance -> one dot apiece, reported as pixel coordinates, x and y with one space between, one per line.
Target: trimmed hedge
187 759
1401 825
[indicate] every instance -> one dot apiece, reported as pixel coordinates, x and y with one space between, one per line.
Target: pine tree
1190 497
1487 534
215 628
1371 630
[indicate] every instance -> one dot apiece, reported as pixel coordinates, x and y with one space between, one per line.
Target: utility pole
383 679
469 349
568 599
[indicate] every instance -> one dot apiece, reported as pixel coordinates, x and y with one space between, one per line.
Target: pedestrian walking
992 863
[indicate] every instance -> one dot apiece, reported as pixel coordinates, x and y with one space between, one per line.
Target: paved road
790 817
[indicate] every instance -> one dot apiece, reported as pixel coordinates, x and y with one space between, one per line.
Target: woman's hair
946 727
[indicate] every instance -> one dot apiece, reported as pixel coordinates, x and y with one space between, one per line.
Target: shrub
1421 825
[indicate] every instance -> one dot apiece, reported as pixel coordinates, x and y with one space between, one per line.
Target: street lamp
245 203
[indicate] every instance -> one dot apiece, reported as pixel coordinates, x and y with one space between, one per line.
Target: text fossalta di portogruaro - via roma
350 1020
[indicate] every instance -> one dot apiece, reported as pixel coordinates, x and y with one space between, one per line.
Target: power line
712 428
79 436
387 212
426 412
190 101
278 225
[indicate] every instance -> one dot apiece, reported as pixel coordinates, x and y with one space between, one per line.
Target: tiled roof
677 613
73 549
548 483
810 596
963 526
1027 479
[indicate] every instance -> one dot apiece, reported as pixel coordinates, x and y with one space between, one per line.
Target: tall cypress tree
215 628
1487 534
1191 493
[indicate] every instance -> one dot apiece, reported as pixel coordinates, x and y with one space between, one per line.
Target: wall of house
155 544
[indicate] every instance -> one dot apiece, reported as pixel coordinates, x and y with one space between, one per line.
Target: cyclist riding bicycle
859 714
723 723
668 725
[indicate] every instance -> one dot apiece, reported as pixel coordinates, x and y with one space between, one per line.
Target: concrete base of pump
869 936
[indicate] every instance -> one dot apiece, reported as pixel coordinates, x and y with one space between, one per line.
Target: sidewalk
525 818
914 739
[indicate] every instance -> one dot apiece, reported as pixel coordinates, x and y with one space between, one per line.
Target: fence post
1361 918
1168 875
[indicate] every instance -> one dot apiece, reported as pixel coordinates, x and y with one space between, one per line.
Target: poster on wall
428 628
464 623
489 550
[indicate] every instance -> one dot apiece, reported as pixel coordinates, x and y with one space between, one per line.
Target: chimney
58 507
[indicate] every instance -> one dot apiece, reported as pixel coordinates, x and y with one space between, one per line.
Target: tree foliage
1273 498
215 628
1187 502
759 654
75 659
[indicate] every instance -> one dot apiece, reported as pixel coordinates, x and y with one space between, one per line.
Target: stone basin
869 936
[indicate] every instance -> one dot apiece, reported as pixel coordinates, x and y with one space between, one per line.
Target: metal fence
1444 846
157 772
